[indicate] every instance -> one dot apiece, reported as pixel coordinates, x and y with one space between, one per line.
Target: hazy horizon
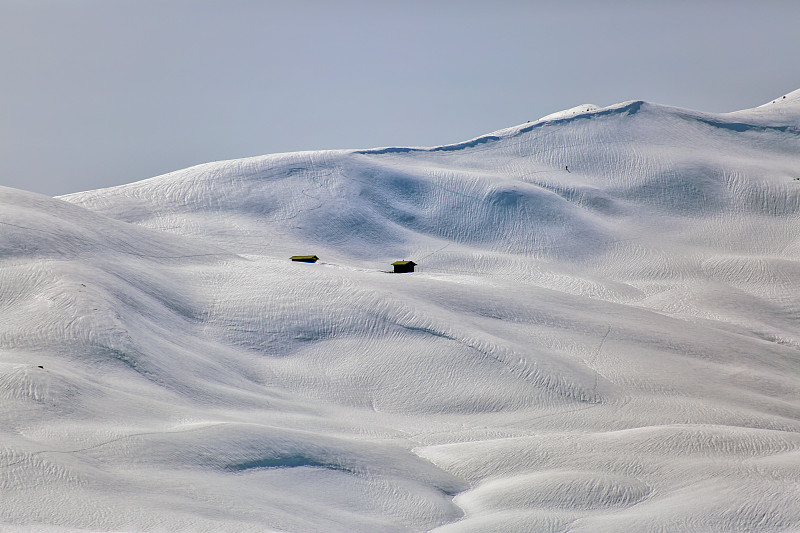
98 94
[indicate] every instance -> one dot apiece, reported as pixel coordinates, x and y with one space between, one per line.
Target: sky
98 93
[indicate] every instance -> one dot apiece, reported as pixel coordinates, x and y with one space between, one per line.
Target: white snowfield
602 335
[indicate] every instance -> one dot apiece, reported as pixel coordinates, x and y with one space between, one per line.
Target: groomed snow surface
602 335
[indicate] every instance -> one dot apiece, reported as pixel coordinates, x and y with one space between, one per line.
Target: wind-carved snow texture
602 335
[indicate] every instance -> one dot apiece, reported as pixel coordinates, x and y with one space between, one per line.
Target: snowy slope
604 336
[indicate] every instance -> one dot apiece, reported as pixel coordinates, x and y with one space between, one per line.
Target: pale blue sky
98 93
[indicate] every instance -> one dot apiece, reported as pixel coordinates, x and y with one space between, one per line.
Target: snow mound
601 335
569 113
790 101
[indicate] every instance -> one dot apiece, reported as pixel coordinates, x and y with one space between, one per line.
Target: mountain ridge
603 325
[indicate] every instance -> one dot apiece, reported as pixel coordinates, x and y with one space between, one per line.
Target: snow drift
603 336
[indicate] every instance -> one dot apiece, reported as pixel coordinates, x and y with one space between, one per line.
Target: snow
614 348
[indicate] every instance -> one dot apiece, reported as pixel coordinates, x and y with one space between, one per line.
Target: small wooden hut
401 267
305 258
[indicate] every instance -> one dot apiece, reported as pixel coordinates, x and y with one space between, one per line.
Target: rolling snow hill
603 334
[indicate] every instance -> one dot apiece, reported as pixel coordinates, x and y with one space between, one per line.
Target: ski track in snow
613 347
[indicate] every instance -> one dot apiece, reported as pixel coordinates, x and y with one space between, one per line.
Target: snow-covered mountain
603 334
